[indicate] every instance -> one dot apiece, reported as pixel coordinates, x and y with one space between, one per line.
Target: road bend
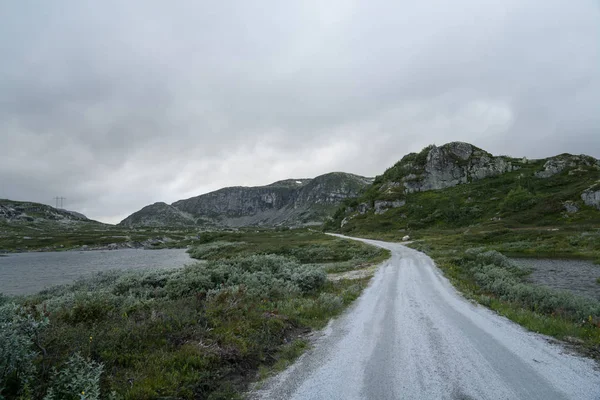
412 336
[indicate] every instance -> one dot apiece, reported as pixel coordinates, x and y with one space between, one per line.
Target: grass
490 278
200 332
513 200
515 214
50 237
305 246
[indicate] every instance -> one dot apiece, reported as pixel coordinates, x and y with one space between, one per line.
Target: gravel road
412 336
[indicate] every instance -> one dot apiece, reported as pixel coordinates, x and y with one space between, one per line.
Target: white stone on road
412 336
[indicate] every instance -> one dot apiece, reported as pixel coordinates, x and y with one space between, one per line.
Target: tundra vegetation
53 237
495 281
469 229
200 332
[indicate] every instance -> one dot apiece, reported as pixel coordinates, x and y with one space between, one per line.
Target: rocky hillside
458 184
290 202
17 212
159 215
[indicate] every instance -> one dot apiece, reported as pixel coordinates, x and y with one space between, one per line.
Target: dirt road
412 336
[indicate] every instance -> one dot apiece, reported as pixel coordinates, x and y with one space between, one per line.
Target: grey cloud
118 104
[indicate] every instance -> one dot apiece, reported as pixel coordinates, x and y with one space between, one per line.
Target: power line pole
59 201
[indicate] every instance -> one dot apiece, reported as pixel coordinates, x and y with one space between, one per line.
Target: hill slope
290 202
158 215
17 212
460 185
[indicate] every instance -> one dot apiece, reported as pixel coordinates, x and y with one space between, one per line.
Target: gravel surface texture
412 336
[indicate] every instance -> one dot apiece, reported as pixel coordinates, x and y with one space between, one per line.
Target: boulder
570 207
591 196
406 238
382 206
362 208
558 164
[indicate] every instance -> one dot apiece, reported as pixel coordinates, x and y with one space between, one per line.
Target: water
27 273
576 276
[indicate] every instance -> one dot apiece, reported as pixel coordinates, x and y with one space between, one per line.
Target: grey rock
382 206
556 165
570 207
453 164
363 208
292 202
591 196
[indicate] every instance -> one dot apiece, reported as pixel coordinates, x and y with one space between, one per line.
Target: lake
576 276
28 273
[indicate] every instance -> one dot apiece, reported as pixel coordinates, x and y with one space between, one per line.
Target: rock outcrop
381 206
28 212
159 215
450 165
591 196
556 165
291 202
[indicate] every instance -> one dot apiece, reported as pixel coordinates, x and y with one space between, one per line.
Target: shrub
329 303
78 379
518 199
18 332
496 274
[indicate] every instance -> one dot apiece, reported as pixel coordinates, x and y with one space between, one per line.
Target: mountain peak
288 202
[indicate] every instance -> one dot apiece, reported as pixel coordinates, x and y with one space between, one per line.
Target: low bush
496 274
198 332
78 379
19 330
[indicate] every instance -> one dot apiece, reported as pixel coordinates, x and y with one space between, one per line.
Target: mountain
290 202
458 185
20 212
159 215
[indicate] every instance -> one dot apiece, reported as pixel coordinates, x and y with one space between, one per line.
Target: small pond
27 273
577 276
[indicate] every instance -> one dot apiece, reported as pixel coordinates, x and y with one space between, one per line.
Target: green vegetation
200 332
303 245
49 237
493 280
512 200
468 230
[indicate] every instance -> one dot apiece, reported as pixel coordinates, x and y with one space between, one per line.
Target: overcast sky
118 104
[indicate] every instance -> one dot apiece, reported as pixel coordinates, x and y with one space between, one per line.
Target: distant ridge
290 202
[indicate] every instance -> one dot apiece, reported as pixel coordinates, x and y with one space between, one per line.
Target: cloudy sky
117 104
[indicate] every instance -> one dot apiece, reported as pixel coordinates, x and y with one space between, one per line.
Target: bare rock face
591 196
158 215
381 206
454 164
558 164
290 202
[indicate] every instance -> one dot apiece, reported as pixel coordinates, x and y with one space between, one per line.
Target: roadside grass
491 279
200 332
304 245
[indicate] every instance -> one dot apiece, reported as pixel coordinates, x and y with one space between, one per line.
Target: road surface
412 336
